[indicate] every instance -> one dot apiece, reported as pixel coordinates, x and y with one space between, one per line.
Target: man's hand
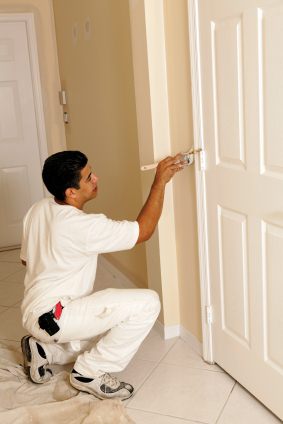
167 168
151 211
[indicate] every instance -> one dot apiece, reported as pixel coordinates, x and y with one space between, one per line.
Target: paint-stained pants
123 317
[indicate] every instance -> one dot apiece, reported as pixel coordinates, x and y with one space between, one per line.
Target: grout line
169 416
153 369
9 275
196 368
224 406
10 262
10 306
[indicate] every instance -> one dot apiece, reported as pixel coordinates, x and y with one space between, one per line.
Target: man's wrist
158 184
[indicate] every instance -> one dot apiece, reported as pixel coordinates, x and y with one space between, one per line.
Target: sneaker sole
26 355
27 359
98 396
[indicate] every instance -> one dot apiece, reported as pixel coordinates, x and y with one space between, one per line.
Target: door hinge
62 97
209 314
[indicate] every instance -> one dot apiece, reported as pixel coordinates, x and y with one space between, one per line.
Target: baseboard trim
171 331
165 331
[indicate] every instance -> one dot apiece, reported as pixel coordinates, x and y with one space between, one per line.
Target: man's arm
151 211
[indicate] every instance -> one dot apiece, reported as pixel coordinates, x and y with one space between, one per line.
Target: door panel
272 294
11 127
232 238
242 101
271 89
228 92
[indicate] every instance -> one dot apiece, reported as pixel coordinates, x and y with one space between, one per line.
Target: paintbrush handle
148 167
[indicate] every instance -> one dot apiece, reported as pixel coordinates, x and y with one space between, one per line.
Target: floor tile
11 325
243 408
11 343
181 389
182 354
141 417
136 372
104 279
17 305
187 393
16 277
8 268
10 293
154 347
102 282
2 308
10 256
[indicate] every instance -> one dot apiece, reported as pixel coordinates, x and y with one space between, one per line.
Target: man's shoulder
42 202
38 205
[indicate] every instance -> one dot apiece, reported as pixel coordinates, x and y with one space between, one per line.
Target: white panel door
241 59
20 168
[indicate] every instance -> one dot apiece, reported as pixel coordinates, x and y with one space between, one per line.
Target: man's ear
71 193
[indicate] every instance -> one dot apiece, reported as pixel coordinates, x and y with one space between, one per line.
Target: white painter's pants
123 316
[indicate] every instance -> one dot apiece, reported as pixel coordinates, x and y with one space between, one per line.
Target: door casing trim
205 286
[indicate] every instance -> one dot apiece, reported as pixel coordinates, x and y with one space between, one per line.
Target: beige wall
97 74
48 64
96 71
181 128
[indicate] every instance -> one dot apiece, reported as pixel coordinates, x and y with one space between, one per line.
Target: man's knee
154 301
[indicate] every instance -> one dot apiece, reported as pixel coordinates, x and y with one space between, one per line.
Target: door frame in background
28 19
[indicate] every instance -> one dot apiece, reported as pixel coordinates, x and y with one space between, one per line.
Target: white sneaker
35 360
104 386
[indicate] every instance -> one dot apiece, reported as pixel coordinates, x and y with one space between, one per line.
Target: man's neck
69 202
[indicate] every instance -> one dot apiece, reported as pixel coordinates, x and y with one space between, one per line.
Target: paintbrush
187 158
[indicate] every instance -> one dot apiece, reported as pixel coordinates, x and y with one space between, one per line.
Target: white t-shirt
60 245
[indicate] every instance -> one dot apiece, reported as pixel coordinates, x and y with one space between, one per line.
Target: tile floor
173 385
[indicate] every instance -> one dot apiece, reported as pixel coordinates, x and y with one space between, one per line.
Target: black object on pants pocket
46 322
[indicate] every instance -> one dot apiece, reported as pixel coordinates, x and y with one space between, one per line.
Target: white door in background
20 161
241 60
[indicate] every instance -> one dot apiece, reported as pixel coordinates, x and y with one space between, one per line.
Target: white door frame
205 286
28 19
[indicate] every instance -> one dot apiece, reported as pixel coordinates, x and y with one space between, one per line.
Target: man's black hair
63 170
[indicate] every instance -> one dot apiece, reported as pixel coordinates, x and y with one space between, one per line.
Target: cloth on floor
22 401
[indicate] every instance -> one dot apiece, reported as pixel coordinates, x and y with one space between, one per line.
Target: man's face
88 184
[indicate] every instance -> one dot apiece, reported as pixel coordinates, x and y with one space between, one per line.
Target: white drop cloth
23 402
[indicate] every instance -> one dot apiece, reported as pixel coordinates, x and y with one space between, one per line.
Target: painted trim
28 19
153 120
39 111
171 331
167 331
161 136
205 286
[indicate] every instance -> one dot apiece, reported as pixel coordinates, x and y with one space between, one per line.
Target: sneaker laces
110 381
